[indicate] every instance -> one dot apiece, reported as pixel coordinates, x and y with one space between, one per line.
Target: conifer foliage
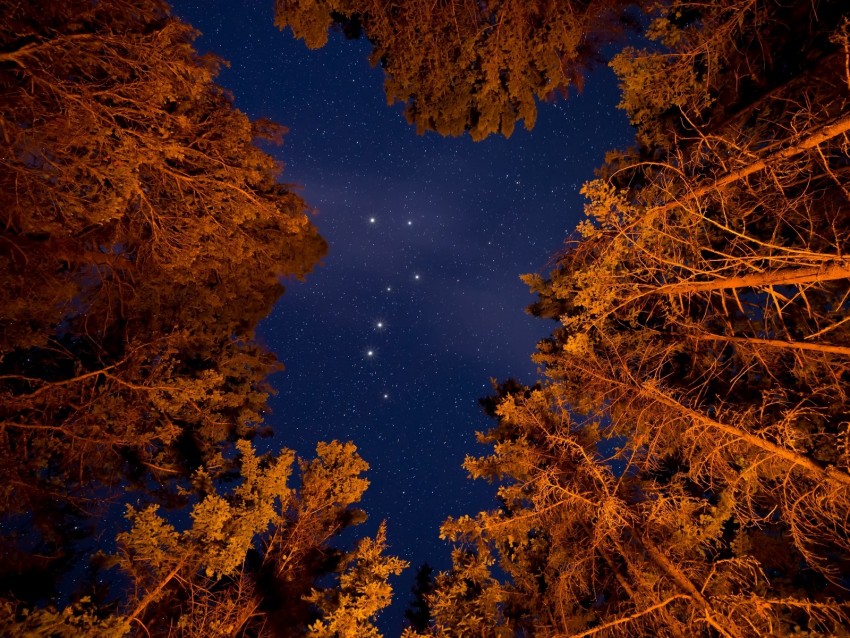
684 469
143 235
467 66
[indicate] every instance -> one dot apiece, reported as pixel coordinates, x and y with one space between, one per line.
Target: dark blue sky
428 237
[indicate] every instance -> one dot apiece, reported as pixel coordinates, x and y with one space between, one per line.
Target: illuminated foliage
684 469
212 578
347 611
591 546
463 66
134 196
144 235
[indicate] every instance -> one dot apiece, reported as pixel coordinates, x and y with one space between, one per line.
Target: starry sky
394 338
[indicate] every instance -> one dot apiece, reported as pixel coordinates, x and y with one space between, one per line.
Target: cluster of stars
484 207
379 324
370 353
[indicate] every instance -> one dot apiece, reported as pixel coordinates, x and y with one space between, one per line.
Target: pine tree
684 470
602 544
144 236
208 579
475 67
703 304
135 197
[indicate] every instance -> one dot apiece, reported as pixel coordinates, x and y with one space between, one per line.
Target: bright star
370 353
409 223
416 276
389 289
371 220
386 396
380 324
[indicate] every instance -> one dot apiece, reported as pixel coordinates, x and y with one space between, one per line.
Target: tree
698 303
208 579
348 610
134 195
144 236
418 612
462 66
590 548
683 470
153 235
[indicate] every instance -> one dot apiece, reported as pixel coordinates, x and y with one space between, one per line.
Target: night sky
392 341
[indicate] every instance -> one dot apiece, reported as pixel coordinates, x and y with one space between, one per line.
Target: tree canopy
144 235
683 469
465 66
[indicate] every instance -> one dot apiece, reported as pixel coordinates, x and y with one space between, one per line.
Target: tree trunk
156 591
776 343
684 583
781 277
820 136
828 473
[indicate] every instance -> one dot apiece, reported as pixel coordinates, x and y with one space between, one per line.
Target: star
416 276
386 396
380 324
371 220
370 353
409 223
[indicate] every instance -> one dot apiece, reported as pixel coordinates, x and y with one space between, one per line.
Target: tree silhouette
418 612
